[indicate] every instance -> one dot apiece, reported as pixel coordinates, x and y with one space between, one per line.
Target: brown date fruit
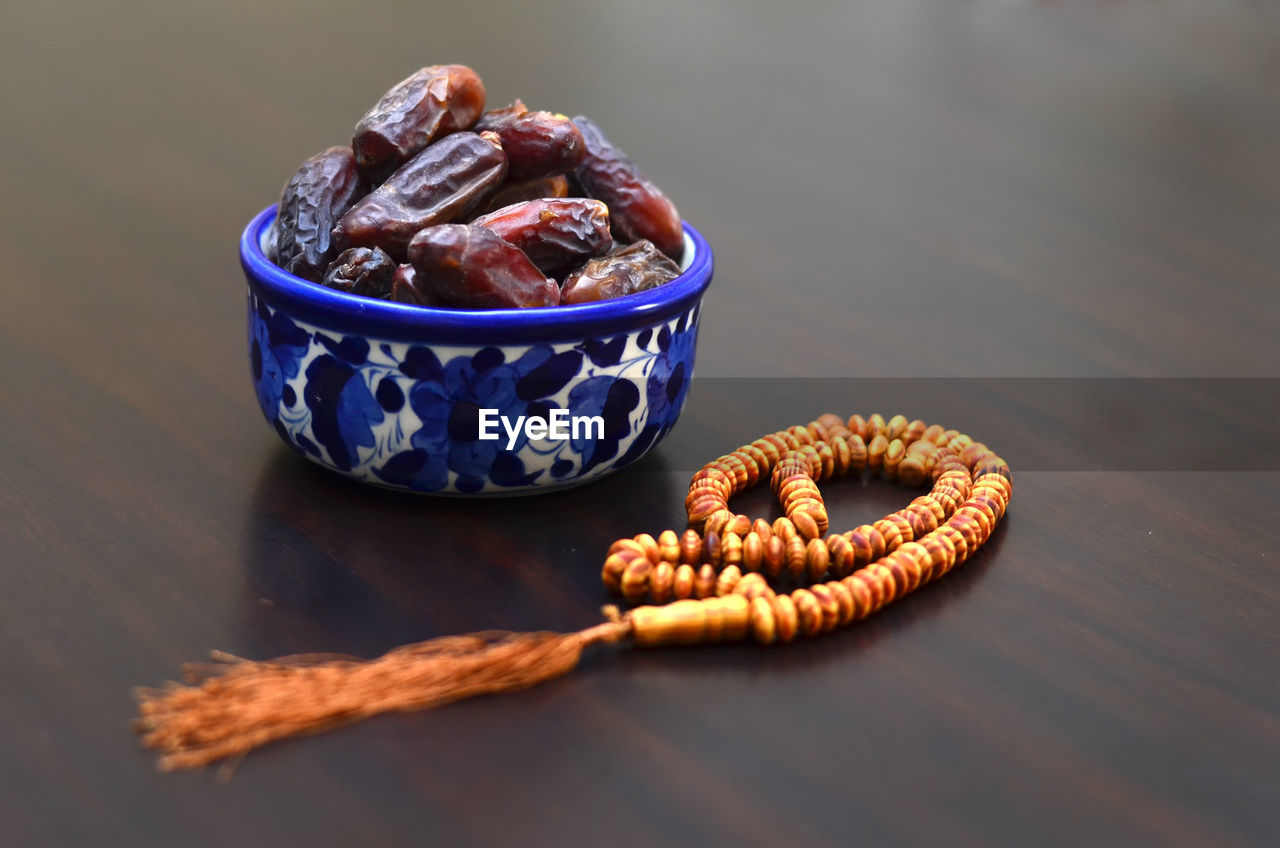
624 270
491 119
440 184
474 268
637 207
538 188
315 198
406 288
555 234
538 143
428 105
364 271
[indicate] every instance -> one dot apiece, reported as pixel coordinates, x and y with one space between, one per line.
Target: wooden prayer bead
802 435
957 541
616 563
896 427
752 585
649 545
808 611
626 545
784 441
946 464
795 483
868 586
764 627
701 510
921 518
762 528
711 548
858 425
784 528
868 544
942 554
914 432
817 558
786 619
922 558
875 451
716 476
901 524
727 579
749 465
805 525
635 579
844 602
682 584
935 507
827 604
691 547
704 582
752 552
779 444
861 595
969 529
893 456
669 546
769 450
775 556
933 434
716 521
906 574
797 557
912 470
830 420
662 582
842 555
891 534
991 501
731 549
885 581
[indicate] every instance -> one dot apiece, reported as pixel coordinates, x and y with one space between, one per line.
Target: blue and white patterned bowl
391 394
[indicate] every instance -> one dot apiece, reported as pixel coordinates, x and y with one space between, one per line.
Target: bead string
711 584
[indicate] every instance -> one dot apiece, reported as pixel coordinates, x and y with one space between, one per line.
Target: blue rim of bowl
384 319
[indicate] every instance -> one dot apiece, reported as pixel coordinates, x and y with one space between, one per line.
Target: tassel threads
235 705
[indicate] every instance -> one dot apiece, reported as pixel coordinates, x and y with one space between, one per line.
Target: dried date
637 207
428 105
406 288
537 143
538 188
440 184
491 119
321 191
555 234
625 270
474 268
364 271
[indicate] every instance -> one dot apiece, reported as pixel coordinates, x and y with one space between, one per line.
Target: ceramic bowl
394 395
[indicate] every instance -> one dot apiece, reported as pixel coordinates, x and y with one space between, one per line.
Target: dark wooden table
894 190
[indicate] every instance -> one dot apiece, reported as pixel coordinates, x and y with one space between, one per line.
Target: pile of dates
440 203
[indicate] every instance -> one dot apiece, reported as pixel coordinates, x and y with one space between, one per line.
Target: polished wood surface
893 190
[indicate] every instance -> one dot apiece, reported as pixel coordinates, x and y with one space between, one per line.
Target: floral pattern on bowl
405 413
